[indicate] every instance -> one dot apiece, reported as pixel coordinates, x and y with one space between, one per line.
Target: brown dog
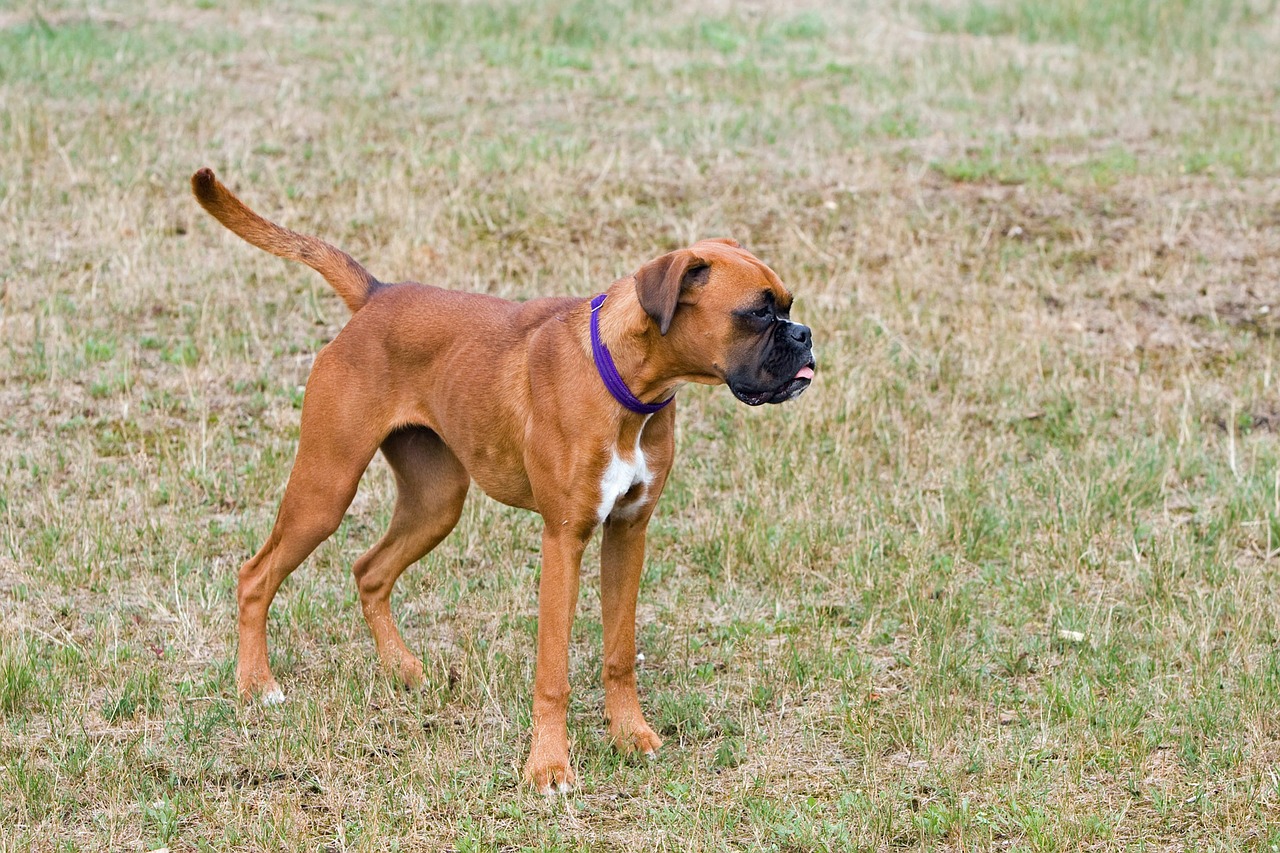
541 404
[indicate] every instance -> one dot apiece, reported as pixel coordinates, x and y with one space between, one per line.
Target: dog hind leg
431 488
332 455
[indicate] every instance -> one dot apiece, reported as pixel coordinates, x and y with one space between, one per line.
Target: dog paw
407 671
260 687
636 738
559 788
549 776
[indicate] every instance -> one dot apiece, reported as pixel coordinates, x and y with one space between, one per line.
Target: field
1006 577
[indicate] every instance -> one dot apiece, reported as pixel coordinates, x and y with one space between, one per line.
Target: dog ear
660 282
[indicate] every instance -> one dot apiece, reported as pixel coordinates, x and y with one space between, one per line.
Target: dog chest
620 478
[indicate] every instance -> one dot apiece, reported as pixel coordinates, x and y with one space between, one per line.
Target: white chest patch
619 478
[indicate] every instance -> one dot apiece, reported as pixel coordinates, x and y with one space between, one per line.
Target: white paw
274 696
557 788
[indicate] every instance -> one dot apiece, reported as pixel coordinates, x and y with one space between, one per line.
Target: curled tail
352 281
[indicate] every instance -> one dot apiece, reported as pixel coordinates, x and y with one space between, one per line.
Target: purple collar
609 373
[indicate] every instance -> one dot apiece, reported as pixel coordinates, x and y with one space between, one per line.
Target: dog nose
800 334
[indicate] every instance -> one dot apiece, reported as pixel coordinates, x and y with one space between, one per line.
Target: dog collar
609 373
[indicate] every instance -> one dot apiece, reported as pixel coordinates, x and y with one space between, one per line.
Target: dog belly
509 490
505 483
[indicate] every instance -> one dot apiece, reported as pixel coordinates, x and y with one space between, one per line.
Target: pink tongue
805 372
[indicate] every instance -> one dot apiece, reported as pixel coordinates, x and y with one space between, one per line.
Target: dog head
727 317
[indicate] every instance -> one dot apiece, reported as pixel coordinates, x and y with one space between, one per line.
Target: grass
1005 577
1133 26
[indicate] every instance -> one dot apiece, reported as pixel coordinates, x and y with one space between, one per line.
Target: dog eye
763 313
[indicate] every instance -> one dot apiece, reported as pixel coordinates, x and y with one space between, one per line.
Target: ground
1004 577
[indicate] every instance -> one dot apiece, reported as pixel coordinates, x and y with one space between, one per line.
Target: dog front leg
548 767
621 564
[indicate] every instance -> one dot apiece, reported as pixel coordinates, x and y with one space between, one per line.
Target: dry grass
1005 577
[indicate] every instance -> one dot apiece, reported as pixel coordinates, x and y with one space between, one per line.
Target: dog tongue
805 372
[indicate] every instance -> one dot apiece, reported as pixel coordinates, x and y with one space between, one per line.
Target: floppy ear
659 283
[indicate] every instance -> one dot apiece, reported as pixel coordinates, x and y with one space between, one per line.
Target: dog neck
623 328
608 370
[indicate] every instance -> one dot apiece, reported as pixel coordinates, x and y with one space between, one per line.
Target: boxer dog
561 405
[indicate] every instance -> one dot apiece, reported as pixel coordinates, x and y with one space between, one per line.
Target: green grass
1138 26
1004 577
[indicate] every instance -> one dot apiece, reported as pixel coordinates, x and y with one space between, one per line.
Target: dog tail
352 281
